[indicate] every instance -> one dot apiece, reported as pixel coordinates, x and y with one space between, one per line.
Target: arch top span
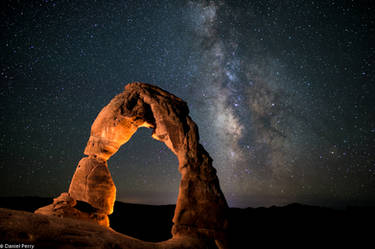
201 208
140 105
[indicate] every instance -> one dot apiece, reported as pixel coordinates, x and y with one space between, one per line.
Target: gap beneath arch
145 173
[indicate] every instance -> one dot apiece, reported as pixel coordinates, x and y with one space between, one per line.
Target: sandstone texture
201 208
93 184
65 206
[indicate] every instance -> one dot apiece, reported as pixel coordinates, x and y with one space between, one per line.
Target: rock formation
65 206
46 232
201 208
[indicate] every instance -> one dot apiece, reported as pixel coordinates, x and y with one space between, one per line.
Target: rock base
65 206
41 231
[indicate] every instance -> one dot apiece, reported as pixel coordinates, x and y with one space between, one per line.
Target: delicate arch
201 206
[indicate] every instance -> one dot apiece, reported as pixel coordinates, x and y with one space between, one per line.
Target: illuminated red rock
93 184
64 206
201 208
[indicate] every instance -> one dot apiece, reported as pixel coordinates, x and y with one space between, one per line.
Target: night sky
283 93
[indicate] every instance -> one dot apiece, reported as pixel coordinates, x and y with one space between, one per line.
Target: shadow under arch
201 208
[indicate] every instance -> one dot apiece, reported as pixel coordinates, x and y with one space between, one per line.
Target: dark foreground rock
293 224
41 231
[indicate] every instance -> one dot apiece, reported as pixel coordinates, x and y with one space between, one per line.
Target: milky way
283 95
244 106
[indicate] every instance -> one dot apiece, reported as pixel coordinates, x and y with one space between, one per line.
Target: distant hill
146 222
261 225
27 203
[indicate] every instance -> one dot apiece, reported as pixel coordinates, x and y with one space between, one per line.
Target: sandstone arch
201 208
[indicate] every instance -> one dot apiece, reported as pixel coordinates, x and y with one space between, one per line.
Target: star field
282 93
